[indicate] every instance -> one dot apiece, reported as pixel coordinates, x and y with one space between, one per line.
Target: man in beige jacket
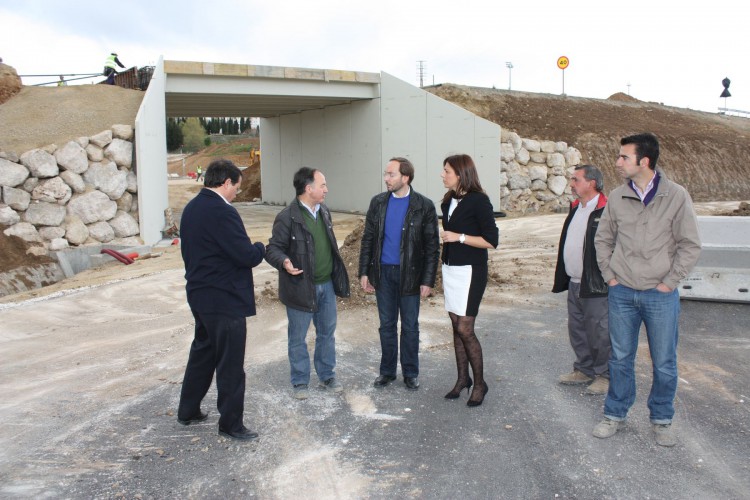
646 243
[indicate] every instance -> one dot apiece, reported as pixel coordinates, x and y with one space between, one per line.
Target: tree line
192 134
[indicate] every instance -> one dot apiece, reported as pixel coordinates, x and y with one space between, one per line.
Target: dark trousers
391 305
219 345
589 332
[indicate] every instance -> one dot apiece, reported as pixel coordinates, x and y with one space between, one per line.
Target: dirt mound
38 116
250 183
13 254
705 152
619 96
10 83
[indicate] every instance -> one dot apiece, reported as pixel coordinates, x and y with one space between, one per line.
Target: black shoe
383 380
198 417
244 434
456 391
412 383
478 402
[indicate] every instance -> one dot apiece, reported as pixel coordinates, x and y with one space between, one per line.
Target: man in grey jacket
646 243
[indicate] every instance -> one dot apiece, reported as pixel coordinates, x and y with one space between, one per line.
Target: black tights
468 351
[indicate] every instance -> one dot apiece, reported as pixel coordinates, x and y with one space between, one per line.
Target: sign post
562 63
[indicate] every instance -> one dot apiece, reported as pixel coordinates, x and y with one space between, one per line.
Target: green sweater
323 255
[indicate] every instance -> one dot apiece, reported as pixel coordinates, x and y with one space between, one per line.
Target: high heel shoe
478 402
456 392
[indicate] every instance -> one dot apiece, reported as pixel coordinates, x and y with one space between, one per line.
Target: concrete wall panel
270 165
151 158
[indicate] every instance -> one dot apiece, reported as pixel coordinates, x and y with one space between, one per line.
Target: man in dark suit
219 258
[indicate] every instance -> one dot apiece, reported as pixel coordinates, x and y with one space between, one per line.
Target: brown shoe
600 385
574 378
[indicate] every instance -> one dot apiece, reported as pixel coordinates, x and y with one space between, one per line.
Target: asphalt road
530 439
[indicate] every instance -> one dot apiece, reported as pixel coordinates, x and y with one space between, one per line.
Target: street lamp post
509 65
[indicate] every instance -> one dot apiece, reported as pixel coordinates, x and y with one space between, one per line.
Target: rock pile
77 194
534 174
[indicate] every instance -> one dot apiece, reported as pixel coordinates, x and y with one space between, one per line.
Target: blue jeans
391 304
325 342
659 311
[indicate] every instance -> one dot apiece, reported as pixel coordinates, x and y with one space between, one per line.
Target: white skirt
456 283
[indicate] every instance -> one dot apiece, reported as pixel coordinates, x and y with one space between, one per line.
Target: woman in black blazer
469 229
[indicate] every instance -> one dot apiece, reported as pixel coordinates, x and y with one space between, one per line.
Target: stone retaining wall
81 193
534 174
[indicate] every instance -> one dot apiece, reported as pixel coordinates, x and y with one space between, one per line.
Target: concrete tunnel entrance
346 123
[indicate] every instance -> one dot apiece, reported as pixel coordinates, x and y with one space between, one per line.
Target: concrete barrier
723 270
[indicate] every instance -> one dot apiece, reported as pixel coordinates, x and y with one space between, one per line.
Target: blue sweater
394 223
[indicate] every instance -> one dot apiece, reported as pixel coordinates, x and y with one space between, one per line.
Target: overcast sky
667 51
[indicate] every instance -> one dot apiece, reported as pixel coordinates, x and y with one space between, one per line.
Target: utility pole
628 88
509 65
420 73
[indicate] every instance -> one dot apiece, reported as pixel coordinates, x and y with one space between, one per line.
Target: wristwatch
462 238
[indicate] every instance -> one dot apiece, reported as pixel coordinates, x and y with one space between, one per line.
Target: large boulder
101 139
101 232
557 184
44 214
124 225
76 231
94 153
17 199
107 178
73 180
40 163
8 216
72 157
120 152
124 132
25 231
53 190
93 206
12 174
125 202
50 233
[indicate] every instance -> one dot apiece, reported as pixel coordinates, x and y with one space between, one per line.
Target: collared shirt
313 211
642 194
576 237
222 196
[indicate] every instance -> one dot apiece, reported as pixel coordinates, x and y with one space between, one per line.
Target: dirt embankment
705 152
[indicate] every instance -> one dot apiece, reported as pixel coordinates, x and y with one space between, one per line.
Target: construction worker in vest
62 82
199 172
110 66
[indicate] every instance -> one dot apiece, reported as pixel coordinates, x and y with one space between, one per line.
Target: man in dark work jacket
219 258
578 272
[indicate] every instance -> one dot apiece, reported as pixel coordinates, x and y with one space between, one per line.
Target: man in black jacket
398 261
578 272
311 274
219 258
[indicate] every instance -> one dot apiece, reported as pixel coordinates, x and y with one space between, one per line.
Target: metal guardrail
724 111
